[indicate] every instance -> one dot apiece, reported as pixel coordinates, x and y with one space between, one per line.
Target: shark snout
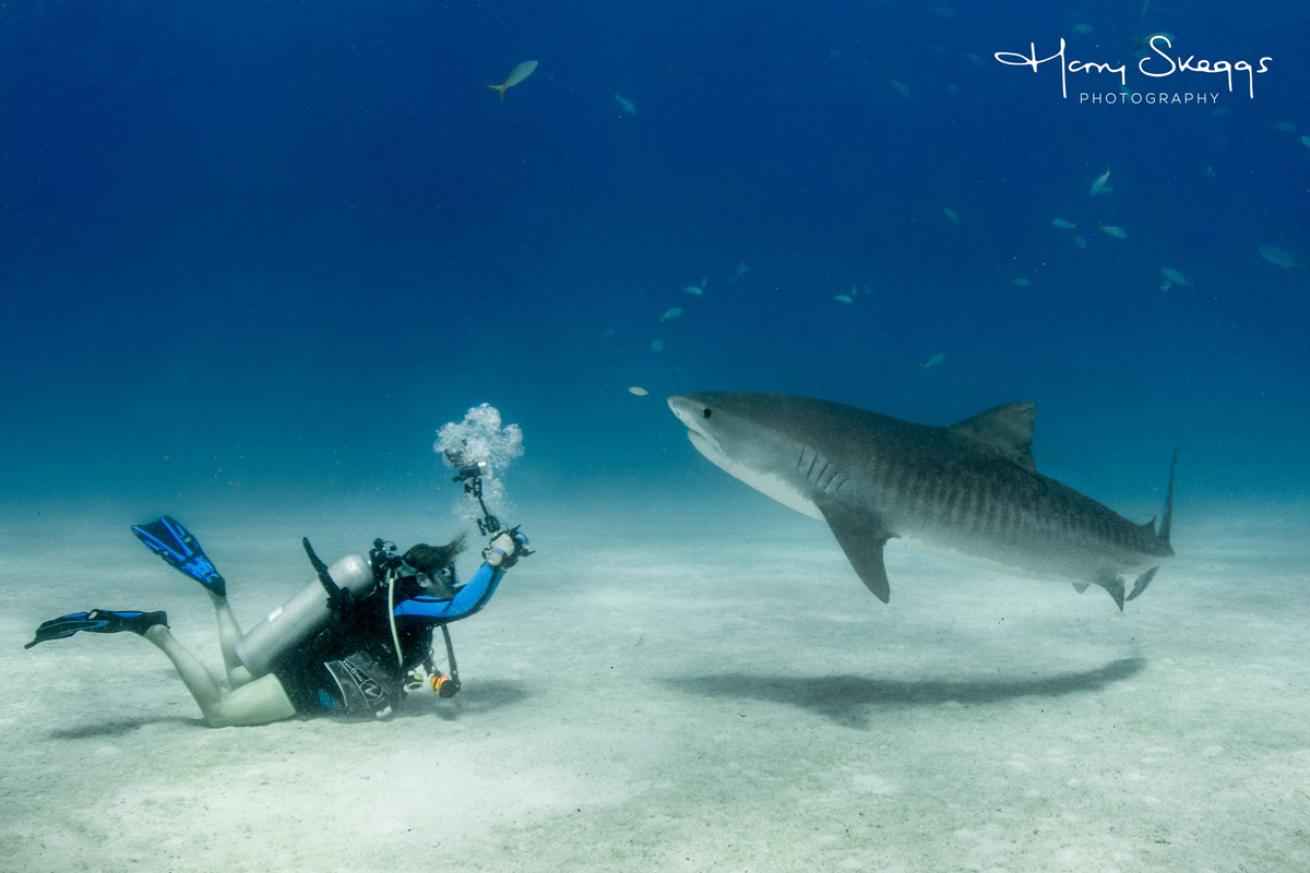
689 411
684 408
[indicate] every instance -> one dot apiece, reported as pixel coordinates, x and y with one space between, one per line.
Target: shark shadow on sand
845 699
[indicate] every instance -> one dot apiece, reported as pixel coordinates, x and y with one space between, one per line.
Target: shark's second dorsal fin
1006 430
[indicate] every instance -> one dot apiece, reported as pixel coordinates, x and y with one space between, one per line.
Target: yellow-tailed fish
516 75
1174 277
1099 184
1278 257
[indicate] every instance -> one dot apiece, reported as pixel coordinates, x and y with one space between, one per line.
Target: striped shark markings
970 489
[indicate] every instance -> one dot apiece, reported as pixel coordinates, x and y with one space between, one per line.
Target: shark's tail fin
1167 520
499 89
1166 527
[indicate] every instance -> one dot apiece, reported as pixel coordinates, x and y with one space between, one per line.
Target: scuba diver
352 643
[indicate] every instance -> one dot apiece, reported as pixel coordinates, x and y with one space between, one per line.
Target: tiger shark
970 489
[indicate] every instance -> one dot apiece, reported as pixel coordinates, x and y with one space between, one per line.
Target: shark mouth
767 483
696 433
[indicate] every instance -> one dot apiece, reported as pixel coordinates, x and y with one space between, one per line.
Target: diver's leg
259 702
228 635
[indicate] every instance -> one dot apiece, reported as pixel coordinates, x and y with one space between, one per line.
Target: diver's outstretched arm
469 599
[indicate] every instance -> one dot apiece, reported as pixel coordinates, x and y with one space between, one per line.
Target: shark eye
705 412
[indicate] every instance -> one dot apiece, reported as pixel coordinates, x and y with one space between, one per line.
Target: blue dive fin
97 621
179 548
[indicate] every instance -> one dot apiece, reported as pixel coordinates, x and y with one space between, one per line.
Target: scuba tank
307 611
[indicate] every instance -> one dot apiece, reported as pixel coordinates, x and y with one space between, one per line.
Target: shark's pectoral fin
1142 581
1080 587
862 538
1115 585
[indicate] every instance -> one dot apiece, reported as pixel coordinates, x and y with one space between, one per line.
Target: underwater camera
471 475
464 470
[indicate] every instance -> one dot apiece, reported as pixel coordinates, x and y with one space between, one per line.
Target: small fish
1114 230
1278 257
694 291
1080 242
975 59
844 298
742 269
625 104
1284 127
1081 29
637 391
671 313
951 215
1208 172
1021 281
945 13
933 361
1061 224
855 290
657 345
516 75
901 88
1099 185
1173 277
1305 141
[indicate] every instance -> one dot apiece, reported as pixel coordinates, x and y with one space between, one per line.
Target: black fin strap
331 587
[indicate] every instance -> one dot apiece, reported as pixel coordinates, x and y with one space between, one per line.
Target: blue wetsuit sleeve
468 600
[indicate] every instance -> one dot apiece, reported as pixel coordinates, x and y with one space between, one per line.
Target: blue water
259 249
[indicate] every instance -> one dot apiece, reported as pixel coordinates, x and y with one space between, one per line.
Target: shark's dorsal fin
862 539
1006 430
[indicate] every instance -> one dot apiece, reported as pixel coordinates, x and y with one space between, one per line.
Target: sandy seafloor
658 690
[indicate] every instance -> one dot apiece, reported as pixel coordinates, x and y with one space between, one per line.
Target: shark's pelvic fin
1142 581
1080 587
1115 585
1006 430
862 539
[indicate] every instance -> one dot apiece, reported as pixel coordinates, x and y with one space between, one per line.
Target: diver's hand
506 549
501 552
